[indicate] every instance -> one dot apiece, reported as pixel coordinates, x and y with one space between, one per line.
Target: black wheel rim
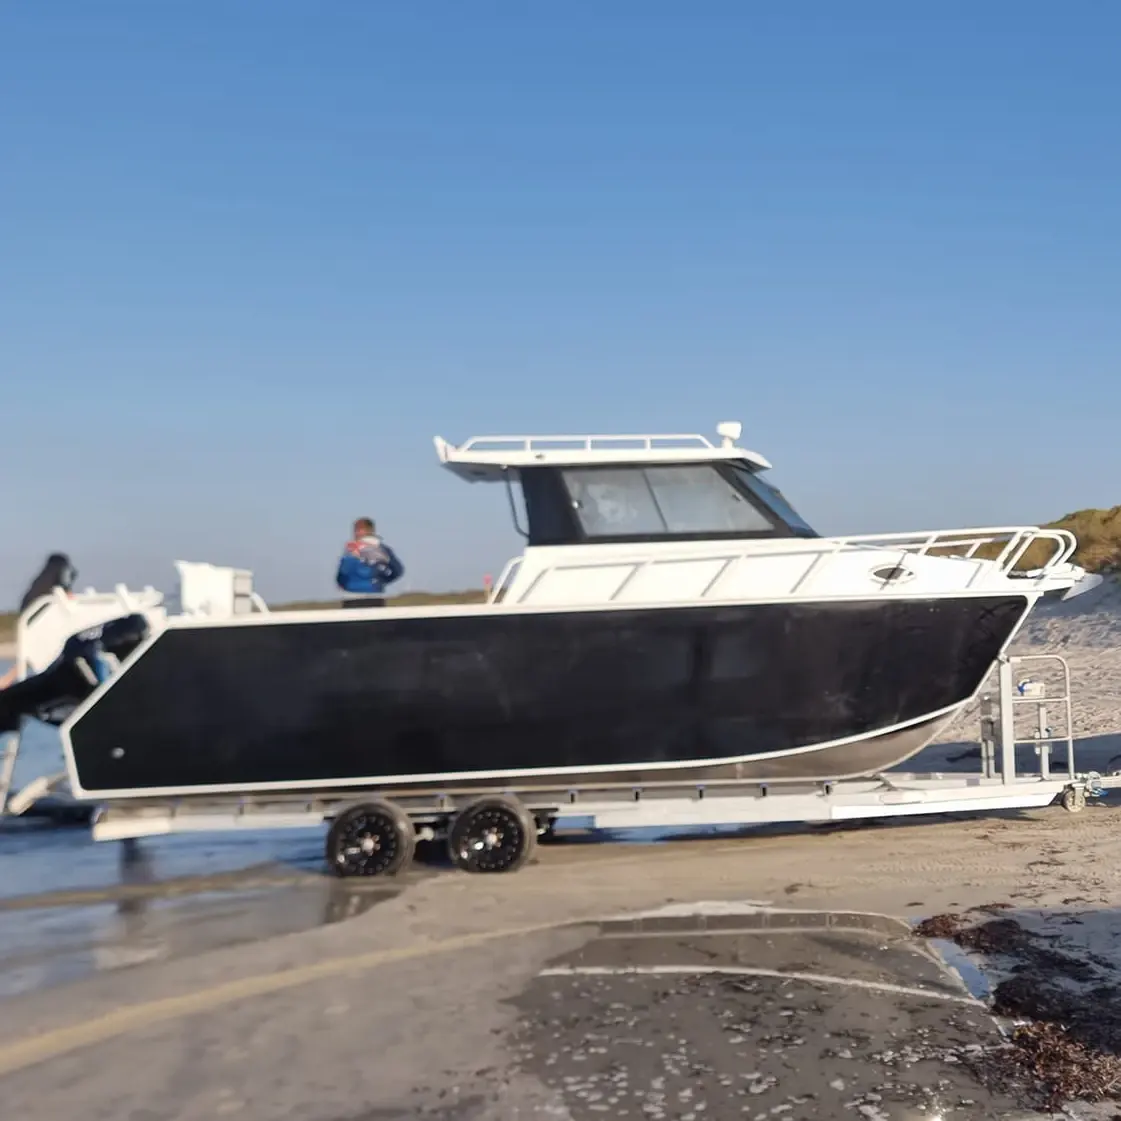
491 841
367 844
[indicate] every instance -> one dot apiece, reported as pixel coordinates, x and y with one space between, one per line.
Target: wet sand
444 1000
57 938
763 1014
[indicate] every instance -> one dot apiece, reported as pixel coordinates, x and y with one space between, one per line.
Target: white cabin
677 518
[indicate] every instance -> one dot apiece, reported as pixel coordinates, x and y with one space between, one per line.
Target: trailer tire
492 834
371 839
1074 799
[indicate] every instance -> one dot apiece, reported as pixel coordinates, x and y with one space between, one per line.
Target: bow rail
993 555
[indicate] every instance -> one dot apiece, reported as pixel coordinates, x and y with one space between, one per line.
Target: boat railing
505 579
994 553
1001 547
49 621
1007 546
649 442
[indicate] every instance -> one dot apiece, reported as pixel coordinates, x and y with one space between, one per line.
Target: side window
612 503
697 499
775 500
674 500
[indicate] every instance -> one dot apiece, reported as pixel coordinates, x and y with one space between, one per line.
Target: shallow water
70 906
46 944
43 859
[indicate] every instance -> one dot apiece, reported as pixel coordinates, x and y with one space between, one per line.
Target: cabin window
774 500
614 503
670 500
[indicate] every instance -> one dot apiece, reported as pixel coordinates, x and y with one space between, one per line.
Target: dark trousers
365 601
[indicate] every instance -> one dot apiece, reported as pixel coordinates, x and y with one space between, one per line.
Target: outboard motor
82 666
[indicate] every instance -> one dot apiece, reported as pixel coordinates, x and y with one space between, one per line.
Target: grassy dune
409 599
1099 537
1098 533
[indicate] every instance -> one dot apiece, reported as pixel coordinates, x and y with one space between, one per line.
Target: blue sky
253 256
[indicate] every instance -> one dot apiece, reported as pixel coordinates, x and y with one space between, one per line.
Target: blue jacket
358 577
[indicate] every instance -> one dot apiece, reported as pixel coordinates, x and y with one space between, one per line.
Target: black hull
490 698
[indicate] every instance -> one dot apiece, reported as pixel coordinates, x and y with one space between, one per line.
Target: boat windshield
774 500
671 500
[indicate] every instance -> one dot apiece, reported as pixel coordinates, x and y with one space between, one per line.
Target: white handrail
50 620
646 442
505 579
943 538
1016 541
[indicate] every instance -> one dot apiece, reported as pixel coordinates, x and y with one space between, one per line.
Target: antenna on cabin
729 432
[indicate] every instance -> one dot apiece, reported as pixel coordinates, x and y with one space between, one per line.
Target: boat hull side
752 691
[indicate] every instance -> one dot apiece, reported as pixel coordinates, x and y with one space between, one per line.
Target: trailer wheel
1074 799
495 834
373 839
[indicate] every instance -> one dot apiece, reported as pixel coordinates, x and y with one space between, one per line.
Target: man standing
367 565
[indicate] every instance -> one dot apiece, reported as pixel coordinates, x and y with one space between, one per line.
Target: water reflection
346 901
58 937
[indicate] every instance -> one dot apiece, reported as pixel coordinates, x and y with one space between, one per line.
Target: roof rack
585 443
485 458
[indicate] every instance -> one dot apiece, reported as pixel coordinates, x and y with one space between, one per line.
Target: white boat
671 619
67 643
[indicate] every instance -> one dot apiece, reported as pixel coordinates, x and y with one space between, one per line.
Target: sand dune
1086 632
1091 621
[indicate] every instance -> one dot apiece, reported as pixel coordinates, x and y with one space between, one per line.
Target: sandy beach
279 991
324 1023
1086 632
